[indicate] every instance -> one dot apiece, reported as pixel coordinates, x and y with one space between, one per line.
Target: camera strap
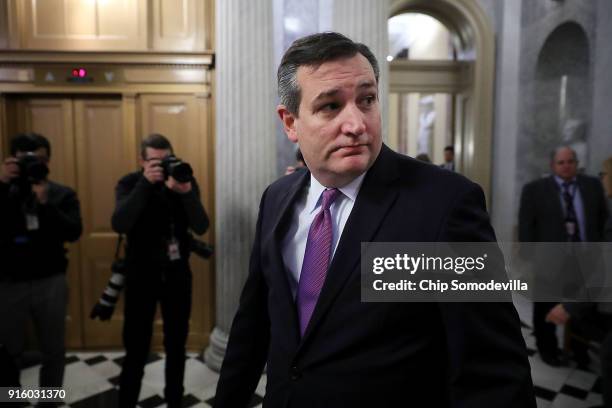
118 248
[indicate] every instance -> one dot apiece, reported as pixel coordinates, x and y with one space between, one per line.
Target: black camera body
32 169
177 169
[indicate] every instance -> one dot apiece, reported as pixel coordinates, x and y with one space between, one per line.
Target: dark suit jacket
541 212
356 354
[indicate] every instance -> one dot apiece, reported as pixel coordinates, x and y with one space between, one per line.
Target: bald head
564 163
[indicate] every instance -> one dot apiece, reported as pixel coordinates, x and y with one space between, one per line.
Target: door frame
472 32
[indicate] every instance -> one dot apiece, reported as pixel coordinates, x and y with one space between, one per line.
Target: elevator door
86 137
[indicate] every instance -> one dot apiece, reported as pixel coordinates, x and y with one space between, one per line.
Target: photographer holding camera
157 207
37 217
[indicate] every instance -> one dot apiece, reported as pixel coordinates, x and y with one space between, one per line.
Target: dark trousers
545 332
144 288
44 301
606 366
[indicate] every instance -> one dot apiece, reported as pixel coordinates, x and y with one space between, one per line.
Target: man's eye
329 107
369 100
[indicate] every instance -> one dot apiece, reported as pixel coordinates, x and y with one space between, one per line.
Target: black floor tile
96 360
190 400
151 402
574 392
544 393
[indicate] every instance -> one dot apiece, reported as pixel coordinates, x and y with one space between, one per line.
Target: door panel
99 146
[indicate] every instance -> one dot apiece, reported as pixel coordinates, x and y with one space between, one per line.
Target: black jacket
357 354
37 254
147 213
541 212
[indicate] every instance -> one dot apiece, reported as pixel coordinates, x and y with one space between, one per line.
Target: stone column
245 151
365 21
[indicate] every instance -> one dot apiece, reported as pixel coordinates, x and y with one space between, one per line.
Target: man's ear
288 120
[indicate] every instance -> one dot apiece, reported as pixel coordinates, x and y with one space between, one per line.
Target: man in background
449 158
565 207
37 217
157 207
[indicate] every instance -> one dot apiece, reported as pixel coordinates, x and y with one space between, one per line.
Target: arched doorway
460 84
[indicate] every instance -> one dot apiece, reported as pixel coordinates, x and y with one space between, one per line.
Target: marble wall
557 43
600 142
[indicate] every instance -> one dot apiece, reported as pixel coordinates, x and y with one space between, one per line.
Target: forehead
345 72
153 152
40 152
564 154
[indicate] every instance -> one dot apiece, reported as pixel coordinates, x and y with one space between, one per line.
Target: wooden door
93 146
86 137
183 120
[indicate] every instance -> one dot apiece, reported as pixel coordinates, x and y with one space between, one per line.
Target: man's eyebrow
326 94
366 84
331 92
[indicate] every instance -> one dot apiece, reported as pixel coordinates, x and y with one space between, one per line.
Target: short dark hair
312 51
29 142
154 141
449 148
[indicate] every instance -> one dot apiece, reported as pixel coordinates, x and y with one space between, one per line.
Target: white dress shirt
306 208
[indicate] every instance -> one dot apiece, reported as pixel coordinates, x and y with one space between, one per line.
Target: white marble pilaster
245 151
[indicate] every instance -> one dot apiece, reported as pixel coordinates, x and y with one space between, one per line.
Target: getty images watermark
484 272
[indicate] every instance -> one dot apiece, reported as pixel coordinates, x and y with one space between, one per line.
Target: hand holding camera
10 170
176 174
153 171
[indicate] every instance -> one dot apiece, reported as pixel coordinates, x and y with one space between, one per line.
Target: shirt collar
560 181
316 190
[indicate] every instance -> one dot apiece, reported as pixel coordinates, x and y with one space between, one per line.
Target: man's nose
353 121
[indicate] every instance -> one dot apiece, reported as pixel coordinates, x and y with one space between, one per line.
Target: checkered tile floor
91 381
563 387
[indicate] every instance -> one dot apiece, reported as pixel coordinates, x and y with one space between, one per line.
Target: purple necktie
316 260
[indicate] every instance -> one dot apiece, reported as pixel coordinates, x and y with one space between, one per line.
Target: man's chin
353 165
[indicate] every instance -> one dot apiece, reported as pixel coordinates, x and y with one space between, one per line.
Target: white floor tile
543 375
582 379
80 381
565 401
107 369
541 403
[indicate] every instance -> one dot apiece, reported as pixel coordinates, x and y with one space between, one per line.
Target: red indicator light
79 72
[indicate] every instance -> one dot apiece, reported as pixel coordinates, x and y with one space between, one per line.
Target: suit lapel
372 204
554 193
273 244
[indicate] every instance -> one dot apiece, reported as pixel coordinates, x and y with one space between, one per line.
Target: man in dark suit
565 207
301 312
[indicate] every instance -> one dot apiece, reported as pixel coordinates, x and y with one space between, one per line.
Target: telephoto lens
177 169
